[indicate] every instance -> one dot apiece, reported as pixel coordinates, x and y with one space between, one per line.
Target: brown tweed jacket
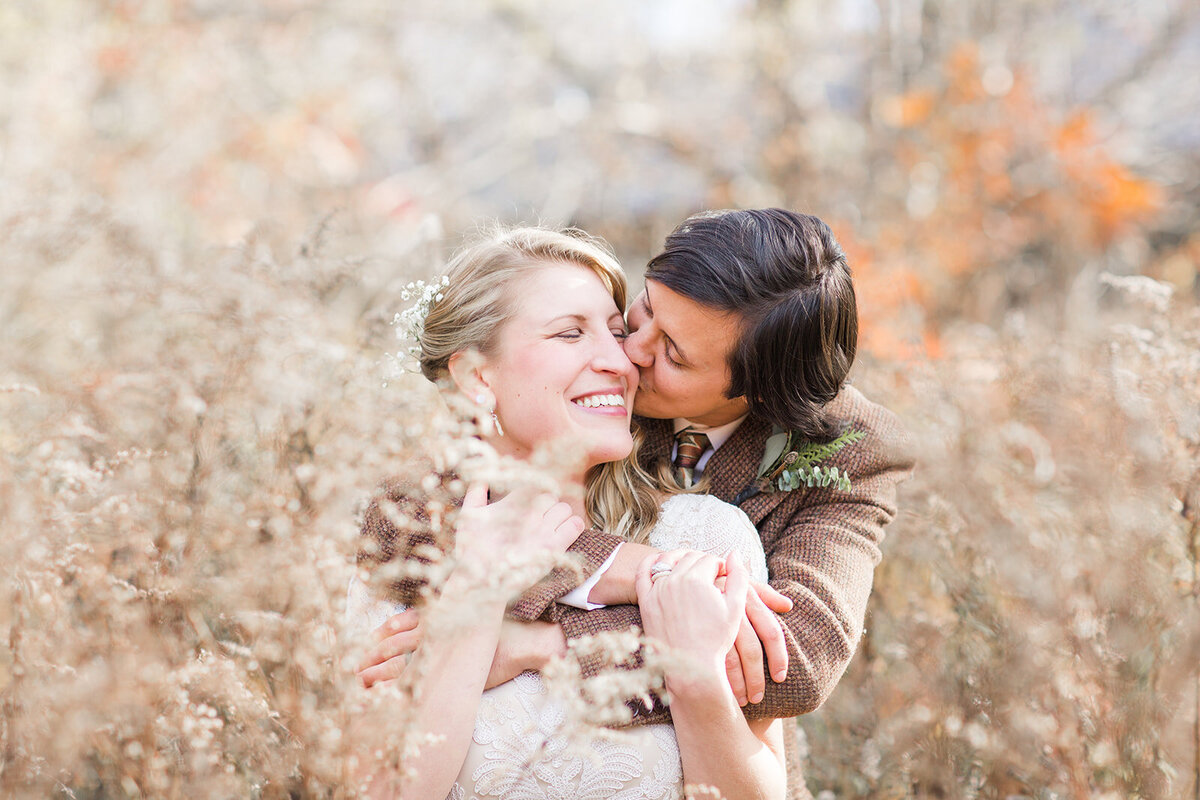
822 546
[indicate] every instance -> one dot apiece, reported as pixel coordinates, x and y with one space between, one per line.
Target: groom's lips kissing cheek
681 349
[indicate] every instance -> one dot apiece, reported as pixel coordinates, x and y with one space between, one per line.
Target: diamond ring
659 570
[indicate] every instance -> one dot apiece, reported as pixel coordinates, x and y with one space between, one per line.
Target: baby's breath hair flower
410 323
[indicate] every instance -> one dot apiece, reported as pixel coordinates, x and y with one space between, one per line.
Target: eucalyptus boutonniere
789 462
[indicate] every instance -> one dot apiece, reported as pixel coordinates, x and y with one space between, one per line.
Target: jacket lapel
731 467
735 464
656 445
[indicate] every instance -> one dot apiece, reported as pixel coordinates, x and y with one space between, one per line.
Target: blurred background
208 209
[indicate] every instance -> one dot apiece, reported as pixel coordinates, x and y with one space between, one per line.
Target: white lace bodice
702 522
518 750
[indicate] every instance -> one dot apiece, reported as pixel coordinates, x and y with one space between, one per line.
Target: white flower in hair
410 323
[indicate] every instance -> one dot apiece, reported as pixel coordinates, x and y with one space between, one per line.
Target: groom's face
681 349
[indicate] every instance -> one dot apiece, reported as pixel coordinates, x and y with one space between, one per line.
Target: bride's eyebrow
579 318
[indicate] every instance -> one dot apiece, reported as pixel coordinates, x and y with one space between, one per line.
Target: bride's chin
610 453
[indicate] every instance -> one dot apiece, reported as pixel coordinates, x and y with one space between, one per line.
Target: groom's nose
639 346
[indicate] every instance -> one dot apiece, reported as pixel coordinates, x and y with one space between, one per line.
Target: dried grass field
209 209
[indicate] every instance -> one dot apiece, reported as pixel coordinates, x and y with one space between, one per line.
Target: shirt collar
718 435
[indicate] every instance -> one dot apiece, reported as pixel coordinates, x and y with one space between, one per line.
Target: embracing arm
452 665
465 618
822 546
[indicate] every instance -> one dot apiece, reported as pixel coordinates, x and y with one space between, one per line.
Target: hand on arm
685 611
760 633
522 646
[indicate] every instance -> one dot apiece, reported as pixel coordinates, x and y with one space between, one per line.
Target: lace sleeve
703 522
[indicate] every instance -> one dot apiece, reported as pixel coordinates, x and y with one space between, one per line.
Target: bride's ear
467 370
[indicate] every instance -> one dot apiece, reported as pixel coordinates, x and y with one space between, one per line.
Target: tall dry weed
186 440
1034 626
183 439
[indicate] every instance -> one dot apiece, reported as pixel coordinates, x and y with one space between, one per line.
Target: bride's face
558 372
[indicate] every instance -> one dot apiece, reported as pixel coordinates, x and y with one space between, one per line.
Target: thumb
476 497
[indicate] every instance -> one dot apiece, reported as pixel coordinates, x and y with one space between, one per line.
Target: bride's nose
610 356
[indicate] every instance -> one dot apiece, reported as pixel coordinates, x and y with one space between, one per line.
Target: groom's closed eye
677 359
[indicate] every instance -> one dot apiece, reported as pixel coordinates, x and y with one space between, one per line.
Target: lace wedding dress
518 750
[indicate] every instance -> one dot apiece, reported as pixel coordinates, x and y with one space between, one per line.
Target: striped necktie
690 445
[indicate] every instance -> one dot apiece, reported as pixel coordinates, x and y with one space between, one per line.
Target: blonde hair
480 297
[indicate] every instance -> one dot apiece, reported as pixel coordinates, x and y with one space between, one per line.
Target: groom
746 330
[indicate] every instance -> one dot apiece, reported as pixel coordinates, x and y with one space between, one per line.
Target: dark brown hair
786 276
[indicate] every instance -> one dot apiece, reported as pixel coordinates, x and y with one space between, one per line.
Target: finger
389 670
671 557
750 654
733 670
541 503
476 497
556 514
774 600
769 629
558 527
522 505
406 620
400 644
641 581
567 532
698 566
737 582
667 557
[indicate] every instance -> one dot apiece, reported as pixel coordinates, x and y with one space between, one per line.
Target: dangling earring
481 399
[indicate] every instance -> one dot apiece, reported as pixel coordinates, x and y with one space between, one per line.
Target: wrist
464 587
618 585
699 681
531 645
547 642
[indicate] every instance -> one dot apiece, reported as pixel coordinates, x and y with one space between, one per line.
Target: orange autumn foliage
995 182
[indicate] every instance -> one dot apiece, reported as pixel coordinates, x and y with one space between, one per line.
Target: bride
525 331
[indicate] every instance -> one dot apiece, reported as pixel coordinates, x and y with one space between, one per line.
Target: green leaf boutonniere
790 462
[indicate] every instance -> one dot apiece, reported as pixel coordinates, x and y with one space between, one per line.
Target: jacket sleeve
591 550
822 546
404 530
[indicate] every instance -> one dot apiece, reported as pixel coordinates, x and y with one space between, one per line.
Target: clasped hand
697 615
